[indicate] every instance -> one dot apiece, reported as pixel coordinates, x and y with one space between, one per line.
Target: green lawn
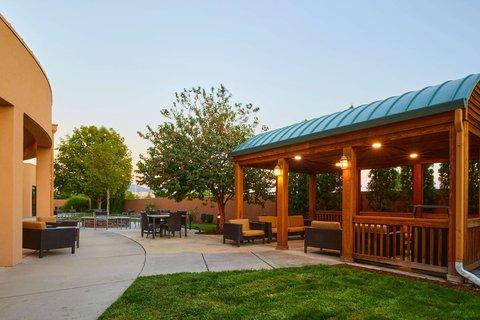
313 292
207 228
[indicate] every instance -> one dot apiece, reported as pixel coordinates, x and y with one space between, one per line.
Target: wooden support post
418 183
349 202
312 195
451 273
282 205
239 175
461 183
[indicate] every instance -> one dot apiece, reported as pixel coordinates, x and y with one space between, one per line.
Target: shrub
78 202
207 218
150 206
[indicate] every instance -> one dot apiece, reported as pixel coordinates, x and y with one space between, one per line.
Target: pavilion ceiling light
376 145
277 171
343 163
413 155
297 157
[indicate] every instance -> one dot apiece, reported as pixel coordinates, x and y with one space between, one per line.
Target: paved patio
71 286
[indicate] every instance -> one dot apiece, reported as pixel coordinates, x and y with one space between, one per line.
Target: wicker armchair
240 230
323 235
37 236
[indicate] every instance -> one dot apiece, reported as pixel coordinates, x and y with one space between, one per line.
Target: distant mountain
134 188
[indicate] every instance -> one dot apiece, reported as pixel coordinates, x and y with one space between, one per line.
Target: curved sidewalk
62 285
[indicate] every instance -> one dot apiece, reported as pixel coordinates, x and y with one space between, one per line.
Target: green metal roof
450 95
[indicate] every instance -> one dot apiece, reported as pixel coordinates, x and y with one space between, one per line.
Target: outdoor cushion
253 233
274 230
295 221
332 225
271 219
47 219
34 225
296 229
244 222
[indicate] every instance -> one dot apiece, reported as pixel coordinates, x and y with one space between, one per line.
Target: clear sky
116 63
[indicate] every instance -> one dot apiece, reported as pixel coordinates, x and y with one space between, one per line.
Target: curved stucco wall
23 83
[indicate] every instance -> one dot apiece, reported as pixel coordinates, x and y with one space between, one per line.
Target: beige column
44 182
282 205
52 172
11 202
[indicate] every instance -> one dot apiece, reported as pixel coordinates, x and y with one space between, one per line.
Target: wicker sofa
323 235
296 225
37 236
241 230
52 221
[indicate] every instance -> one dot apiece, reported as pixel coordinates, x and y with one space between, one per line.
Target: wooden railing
329 216
416 243
472 246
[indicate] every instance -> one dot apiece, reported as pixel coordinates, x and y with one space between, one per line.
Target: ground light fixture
413 155
277 171
343 163
297 157
376 145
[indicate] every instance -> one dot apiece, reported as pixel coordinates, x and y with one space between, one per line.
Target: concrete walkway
197 253
71 286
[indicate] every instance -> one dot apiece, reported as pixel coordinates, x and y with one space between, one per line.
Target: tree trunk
108 205
99 204
220 216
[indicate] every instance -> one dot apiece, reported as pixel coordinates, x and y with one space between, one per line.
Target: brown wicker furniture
37 236
240 230
323 235
296 225
173 223
54 222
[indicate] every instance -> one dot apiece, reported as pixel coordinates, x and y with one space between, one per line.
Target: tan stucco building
26 132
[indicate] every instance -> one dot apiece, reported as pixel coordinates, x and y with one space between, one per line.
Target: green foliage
383 186
78 202
310 292
297 193
189 156
94 161
473 188
329 191
206 218
428 185
150 206
406 187
444 178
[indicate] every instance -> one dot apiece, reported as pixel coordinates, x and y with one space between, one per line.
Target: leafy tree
383 186
428 185
473 177
93 161
406 186
444 178
297 193
329 191
189 156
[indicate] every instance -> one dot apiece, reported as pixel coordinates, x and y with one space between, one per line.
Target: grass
312 292
207 228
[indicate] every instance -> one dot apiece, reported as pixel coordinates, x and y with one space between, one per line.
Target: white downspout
466 274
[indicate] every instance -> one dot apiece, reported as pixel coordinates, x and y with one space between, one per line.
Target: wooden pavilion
434 125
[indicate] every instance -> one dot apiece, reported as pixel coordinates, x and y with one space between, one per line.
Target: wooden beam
417 183
391 132
461 183
349 202
451 272
312 195
239 175
282 205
